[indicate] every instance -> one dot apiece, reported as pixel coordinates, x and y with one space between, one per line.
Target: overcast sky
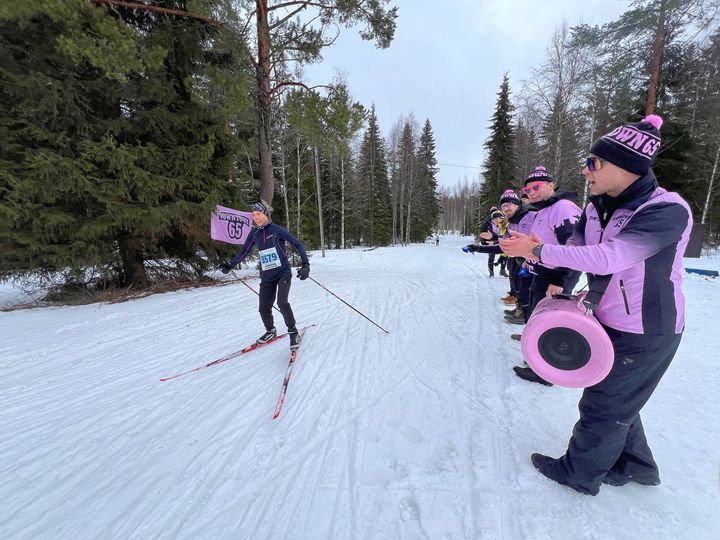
446 64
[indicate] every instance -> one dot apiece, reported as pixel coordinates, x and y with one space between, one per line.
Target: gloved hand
469 248
304 271
225 267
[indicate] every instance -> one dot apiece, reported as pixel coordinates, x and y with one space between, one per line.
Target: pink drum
566 346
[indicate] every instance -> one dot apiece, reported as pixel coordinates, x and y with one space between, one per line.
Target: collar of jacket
517 216
634 196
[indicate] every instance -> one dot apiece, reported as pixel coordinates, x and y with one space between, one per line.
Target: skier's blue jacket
270 241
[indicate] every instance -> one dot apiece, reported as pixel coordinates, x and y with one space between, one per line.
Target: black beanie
509 196
539 174
631 146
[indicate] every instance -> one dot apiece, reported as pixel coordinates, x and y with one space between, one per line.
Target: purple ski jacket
554 223
640 238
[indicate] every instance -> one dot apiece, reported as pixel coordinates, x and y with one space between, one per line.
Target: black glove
304 271
225 267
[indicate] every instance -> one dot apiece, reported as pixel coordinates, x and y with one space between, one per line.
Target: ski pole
348 305
253 290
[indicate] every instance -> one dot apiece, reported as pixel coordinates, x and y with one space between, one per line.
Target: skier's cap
497 214
540 174
262 206
631 146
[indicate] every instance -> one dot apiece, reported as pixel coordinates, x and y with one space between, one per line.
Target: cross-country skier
275 271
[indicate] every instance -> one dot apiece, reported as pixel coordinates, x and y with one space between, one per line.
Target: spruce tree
119 139
428 204
499 166
371 216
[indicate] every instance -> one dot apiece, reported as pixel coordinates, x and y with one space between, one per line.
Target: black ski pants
512 269
279 287
539 287
609 439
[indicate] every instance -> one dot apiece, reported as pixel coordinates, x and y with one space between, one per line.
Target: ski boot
267 336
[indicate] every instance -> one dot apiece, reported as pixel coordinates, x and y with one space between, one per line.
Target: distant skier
437 240
275 271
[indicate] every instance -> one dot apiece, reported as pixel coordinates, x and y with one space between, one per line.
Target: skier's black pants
491 264
268 291
609 438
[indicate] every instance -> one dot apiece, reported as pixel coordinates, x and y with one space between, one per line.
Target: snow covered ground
424 433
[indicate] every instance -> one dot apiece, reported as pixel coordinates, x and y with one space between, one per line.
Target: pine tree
427 198
371 216
499 166
282 34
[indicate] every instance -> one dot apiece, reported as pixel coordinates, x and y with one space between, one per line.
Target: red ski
286 381
246 350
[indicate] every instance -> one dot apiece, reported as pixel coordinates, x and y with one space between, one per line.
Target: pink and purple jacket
522 221
554 223
640 238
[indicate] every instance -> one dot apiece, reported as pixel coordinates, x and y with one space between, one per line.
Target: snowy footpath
422 433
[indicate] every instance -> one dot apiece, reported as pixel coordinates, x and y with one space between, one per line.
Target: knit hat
631 146
509 196
539 174
497 214
262 206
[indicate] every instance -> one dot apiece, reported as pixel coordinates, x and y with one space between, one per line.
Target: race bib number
269 258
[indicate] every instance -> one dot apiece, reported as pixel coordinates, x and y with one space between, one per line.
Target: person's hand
470 248
304 271
486 235
225 267
552 290
520 245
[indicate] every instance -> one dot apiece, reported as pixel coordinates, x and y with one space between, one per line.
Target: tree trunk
263 68
708 197
319 200
657 52
342 201
132 262
284 190
297 191
410 193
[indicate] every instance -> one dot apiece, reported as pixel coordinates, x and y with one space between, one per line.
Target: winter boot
515 312
509 300
516 318
528 374
294 338
552 469
614 479
503 273
516 337
267 336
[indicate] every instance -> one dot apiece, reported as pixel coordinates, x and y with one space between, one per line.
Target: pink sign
230 226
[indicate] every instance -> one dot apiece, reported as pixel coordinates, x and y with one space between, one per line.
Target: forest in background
660 56
125 122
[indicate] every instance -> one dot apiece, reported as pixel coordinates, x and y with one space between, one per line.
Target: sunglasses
594 163
529 190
